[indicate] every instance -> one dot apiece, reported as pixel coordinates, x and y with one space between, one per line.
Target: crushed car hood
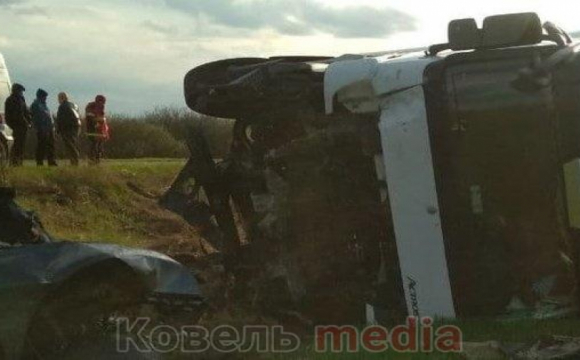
52 263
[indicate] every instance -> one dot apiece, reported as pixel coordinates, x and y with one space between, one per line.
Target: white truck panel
361 84
414 204
5 83
391 85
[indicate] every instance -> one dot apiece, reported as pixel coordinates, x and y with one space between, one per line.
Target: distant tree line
161 133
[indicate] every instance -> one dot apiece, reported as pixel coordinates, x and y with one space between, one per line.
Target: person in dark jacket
97 128
18 119
44 125
68 126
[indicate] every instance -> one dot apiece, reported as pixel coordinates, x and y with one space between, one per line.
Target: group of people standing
67 125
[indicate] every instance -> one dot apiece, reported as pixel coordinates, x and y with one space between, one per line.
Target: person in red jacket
97 128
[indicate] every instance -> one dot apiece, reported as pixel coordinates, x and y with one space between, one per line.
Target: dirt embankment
113 203
118 203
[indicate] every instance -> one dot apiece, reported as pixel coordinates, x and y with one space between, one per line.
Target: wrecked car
441 182
57 296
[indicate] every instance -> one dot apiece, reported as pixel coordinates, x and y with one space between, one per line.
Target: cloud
10 2
138 54
135 68
19 7
301 17
130 95
159 27
31 11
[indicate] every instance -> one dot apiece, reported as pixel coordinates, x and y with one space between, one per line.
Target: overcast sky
137 51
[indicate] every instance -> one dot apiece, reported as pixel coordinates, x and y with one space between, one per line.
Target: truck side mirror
539 75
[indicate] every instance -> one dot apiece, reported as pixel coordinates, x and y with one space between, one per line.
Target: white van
5 132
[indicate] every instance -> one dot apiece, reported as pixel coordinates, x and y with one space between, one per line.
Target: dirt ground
118 203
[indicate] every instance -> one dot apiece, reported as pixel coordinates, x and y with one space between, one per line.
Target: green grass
98 204
309 353
520 331
483 330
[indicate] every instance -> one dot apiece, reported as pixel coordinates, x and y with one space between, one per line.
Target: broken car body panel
55 262
31 272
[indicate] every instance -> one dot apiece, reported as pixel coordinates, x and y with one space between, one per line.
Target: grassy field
112 203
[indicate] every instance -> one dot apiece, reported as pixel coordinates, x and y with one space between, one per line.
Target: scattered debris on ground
555 347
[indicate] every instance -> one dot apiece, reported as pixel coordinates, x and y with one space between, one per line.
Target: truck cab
480 152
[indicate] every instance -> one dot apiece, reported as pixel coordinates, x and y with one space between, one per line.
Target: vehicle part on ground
18 226
432 180
554 347
54 293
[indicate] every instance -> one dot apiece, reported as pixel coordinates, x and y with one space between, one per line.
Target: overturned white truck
442 182
5 132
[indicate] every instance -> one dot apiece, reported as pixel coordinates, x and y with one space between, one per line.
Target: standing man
18 118
97 128
68 125
44 124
